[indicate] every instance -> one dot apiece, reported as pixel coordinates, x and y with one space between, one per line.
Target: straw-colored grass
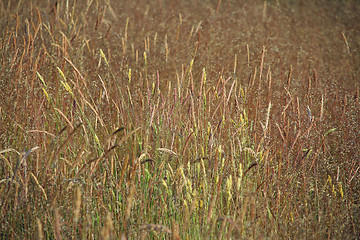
179 119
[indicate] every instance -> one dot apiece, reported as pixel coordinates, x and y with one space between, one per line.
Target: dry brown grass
182 120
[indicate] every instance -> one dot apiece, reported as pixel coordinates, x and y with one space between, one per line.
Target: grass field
179 119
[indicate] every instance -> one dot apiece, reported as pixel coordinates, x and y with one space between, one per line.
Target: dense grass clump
179 119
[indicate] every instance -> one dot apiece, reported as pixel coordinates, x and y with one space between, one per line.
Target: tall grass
194 120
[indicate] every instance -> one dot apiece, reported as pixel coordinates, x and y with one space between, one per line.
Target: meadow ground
179 119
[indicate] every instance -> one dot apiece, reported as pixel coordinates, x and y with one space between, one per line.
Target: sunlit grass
195 120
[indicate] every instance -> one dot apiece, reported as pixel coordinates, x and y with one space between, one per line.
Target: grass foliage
179 119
